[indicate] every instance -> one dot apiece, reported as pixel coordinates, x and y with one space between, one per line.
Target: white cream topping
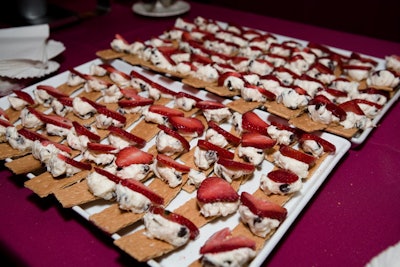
216 138
131 200
259 226
298 167
111 94
284 137
78 142
237 257
356 121
271 187
312 147
291 99
82 108
195 177
383 78
58 167
218 208
103 122
134 171
57 130
322 114
253 155
17 103
159 227
101 186
167 144
218 115
204 158
16 140
172 176
184 103
59 108
98 158
229 174
29 120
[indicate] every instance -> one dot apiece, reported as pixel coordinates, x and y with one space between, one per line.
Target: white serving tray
189 253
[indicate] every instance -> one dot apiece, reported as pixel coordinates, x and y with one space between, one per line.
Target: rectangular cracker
341 131
305 123
242 106
282 111
113 219
142 248
76 194
145 130
24 165
6 151
45 184
222 91
109 54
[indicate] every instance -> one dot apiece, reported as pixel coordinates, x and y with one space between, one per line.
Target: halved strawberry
132 155
265 92
52 91
162 89
328 146
31 135
187 124
367 102
60 146
135 74
263 208
24 96
232 139
112 114
236 165
374 91
223 241
209 104
77 164
253 123
281 126
109 175
336 92
56 120
184 94
289 151
176 135
165 111
168 161
321 68
111 69
216 189
138 141
257 140
177 218
82 130
352 106
167 51
119 37
144 190
283 176
102 148
221 152
200 59
137 101
336 110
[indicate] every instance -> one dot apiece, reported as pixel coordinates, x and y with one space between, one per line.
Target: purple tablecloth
352 217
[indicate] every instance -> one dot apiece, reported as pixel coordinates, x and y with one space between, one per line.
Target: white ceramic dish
189 253
175 9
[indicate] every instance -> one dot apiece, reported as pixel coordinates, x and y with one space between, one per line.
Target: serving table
352 217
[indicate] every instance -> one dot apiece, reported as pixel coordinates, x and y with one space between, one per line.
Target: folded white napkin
25 52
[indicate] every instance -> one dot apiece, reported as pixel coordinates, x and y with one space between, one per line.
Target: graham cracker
242 106
45 184
341 131
113 219
76 194
305 123
24 165
197 83
282 111
109 54
145 130
222 91
8 152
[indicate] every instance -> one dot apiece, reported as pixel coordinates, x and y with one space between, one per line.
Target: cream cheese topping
271 187
260 226
131 200
298 167
101 186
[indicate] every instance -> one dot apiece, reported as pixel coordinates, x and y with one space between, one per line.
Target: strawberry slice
138 141
263 208
162 89
223 241
57 145
209 104
216 189
374 91
265 92
281 126
253 123
367 102
66 101
323 100
257 140
187 125
24 96
226 75
82 130
109 175
132 155
136 102
168 161
119 37
184 94
167 51
56 120
135 74
129 92
222 152
5 123
92 103
77 164
31 135
328 146
288 151
101 148
283 176
177 218
232 139
335 92
111 69
236 165
52 91
144 190
352 106
165 111
176 135
112 114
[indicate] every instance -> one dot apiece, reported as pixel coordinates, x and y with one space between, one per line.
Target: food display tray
189 253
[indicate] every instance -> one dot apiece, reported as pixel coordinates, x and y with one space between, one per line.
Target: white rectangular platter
189 253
